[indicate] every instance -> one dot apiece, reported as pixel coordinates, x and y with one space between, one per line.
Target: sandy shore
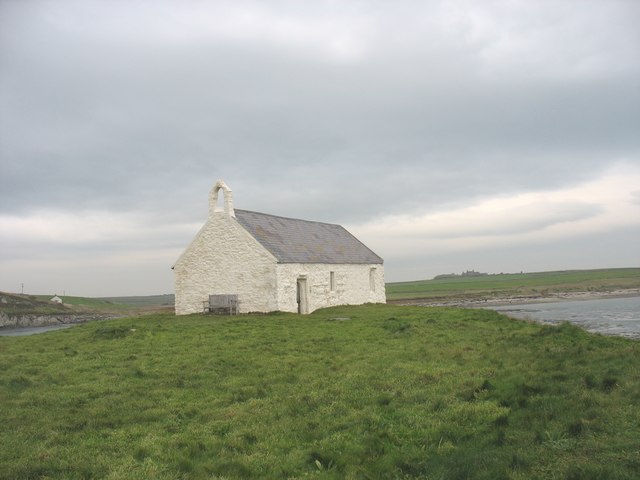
518 299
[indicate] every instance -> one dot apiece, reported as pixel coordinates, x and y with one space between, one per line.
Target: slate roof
301 241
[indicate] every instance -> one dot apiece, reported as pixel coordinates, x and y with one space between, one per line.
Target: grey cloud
525 219
124 108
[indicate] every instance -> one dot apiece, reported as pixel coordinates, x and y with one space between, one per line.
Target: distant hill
21 304
17 304
468 273
534 285
164 300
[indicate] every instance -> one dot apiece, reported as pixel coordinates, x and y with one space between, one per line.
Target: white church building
268 263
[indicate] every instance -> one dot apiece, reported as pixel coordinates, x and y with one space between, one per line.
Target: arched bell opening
226 205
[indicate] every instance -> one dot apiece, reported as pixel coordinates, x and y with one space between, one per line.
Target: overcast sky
500 136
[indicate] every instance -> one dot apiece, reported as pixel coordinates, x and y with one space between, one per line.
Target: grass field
353 392
85 303
514 284
143 301
17 304
106 303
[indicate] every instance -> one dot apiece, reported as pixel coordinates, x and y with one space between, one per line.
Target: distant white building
272 263
55 299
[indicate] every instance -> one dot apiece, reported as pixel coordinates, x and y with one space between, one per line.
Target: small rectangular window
332 281
372 279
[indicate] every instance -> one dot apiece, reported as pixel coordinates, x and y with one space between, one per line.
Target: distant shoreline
506 300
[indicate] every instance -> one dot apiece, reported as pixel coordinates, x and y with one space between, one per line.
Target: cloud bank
443 133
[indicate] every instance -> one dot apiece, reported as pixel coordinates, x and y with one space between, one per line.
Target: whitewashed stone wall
352 285
225 259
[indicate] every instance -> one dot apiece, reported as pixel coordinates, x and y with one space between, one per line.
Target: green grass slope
16 304
21 304
517 284
353 392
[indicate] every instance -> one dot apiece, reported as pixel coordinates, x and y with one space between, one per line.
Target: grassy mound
15 304
21 304
352 392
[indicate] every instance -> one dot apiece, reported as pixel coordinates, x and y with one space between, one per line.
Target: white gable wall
353 285
225 259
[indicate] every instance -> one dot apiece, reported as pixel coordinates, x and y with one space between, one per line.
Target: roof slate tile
292 240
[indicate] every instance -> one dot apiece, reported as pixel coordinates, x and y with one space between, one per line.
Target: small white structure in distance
55 299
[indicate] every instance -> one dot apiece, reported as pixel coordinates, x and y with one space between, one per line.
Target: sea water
609 316
20 331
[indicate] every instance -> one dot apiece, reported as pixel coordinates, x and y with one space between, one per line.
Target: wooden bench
221 304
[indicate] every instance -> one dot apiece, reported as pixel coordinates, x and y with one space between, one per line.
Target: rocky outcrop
36 320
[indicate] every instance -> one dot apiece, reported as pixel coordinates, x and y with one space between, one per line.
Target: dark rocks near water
40 320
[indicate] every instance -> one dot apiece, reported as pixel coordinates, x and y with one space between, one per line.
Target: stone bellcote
228 200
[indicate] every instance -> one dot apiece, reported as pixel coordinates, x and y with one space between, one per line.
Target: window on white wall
332 281
372 279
